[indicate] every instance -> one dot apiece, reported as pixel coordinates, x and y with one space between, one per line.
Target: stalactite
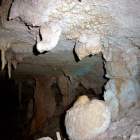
9 68
50 33
88 44
3 59
6 47
19 92
12 58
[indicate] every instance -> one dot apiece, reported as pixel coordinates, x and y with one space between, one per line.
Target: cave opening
8 105
58 96
49 60
15 118
26 112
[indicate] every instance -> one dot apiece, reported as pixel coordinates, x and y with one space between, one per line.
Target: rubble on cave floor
125 127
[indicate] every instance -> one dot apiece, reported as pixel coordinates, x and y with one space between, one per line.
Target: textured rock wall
75 21
44 105
126 126
105 18
122 90
63 84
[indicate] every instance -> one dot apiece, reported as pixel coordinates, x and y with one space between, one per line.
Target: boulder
87 119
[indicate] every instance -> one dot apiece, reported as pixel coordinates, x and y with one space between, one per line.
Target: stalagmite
122 90
87 119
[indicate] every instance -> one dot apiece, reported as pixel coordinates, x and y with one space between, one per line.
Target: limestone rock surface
126 126
121 94
86 119
50 35
88 45
44 105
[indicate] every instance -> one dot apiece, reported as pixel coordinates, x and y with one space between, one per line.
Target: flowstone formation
44 106
87 45
122 89
63 84
87 119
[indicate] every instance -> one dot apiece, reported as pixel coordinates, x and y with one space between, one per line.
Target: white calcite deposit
122 90
87 119
88 45
50 33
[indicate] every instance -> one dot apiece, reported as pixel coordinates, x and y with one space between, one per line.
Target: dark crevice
0 2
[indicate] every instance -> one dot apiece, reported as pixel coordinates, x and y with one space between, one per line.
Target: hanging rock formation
91 26
12 58
87 45
87 119
50 33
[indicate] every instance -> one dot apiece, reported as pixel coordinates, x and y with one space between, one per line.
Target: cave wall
73 30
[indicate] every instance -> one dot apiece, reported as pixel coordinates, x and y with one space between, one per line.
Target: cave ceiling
21 22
